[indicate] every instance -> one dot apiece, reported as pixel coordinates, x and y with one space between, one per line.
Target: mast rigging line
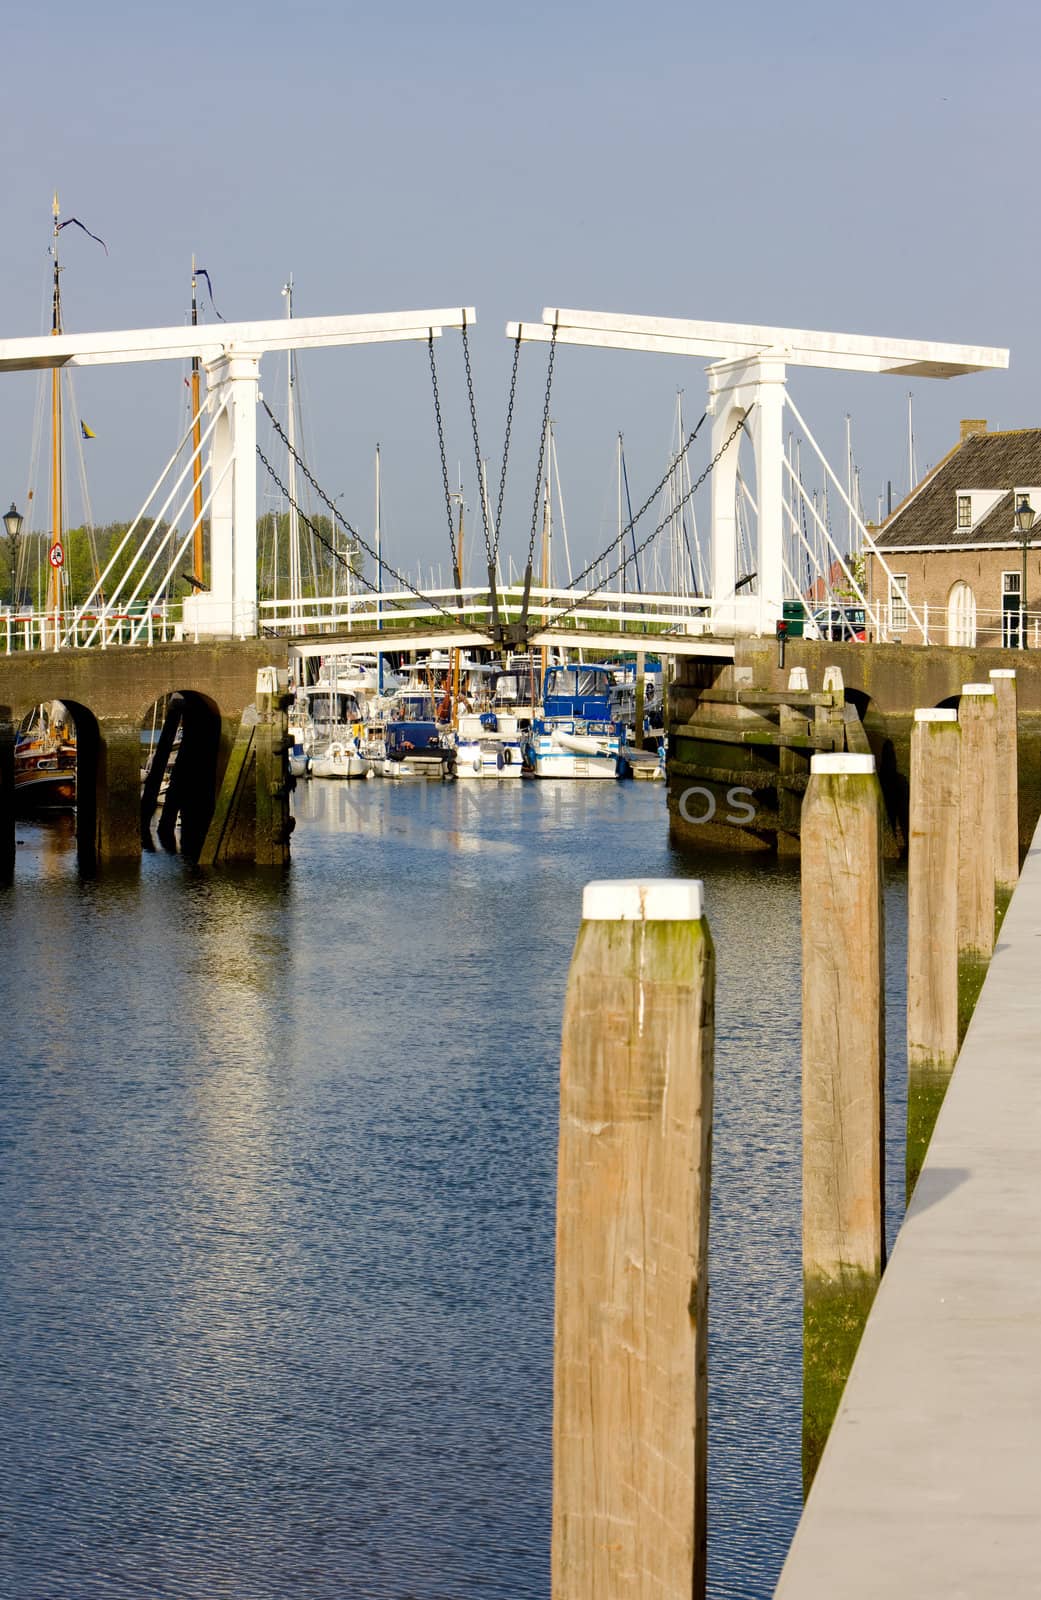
608 577
338 516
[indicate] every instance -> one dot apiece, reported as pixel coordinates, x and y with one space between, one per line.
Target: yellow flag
88 433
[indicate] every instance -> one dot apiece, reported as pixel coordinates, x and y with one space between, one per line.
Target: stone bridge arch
110 692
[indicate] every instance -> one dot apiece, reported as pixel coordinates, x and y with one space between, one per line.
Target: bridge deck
930 1482
419 637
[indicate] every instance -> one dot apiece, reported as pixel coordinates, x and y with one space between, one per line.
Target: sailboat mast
54 575
621 545
379 574
547 535
295 580
459 579
197 556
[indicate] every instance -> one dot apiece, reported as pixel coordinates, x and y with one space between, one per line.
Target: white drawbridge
747 395
230 354
747 386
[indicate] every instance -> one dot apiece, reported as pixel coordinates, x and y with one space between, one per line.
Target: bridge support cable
144 623
895 586
119 601
97 592
823 572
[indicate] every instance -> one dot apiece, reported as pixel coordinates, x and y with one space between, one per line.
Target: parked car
837 622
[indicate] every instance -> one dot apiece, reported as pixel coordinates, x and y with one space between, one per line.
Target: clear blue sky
867 169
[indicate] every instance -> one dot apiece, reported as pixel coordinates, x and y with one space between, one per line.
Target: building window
898 602
1011 620
965 511
961 615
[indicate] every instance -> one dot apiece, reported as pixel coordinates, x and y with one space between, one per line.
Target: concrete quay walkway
930 1484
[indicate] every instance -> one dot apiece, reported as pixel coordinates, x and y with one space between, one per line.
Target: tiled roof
983 461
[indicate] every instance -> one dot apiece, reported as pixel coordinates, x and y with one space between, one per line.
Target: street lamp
1024 523
13 520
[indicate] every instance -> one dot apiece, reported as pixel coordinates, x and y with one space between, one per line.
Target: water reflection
277 1179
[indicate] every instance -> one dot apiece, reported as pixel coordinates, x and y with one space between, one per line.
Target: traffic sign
57 555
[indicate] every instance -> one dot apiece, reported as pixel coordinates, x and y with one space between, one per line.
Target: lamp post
1024 523
13 520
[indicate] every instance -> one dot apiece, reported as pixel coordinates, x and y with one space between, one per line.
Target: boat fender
507 757
477 763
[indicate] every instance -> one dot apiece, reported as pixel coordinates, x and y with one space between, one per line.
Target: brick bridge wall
110 694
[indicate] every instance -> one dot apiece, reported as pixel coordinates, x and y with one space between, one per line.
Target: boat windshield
576 681
515 688
329 706
414 707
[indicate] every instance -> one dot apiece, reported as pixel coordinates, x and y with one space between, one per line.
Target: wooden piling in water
630 1346
7 807
1006 799
843 1067
977 715
273 824
641 692
932 925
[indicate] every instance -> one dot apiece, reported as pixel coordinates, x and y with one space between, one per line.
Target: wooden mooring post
251 821
843 1068
1006 797
977 715
932 925
630 1347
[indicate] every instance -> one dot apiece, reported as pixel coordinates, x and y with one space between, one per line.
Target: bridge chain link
542 450
490 550
457 575
342 520
720 453
506 448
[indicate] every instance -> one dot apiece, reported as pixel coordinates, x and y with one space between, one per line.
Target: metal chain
542 448
555 622
341 519
506 445
655 492
490 549
457 575
312 527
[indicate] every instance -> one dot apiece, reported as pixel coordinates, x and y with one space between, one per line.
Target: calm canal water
277 1201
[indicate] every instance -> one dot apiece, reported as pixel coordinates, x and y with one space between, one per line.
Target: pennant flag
200 272
86 230
88 433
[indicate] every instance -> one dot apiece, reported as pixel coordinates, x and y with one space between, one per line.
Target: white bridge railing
471 606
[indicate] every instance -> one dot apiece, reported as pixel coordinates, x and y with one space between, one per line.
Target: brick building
954 548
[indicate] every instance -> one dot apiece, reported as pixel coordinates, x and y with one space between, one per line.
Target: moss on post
834 1313
932 925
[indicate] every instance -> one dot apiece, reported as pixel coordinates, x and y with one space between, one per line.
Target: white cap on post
1002 672
643 900
848 762
939 714
977 688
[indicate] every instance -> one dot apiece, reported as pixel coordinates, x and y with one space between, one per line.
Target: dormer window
965 511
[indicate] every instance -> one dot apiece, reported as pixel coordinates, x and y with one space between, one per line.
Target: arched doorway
961 615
